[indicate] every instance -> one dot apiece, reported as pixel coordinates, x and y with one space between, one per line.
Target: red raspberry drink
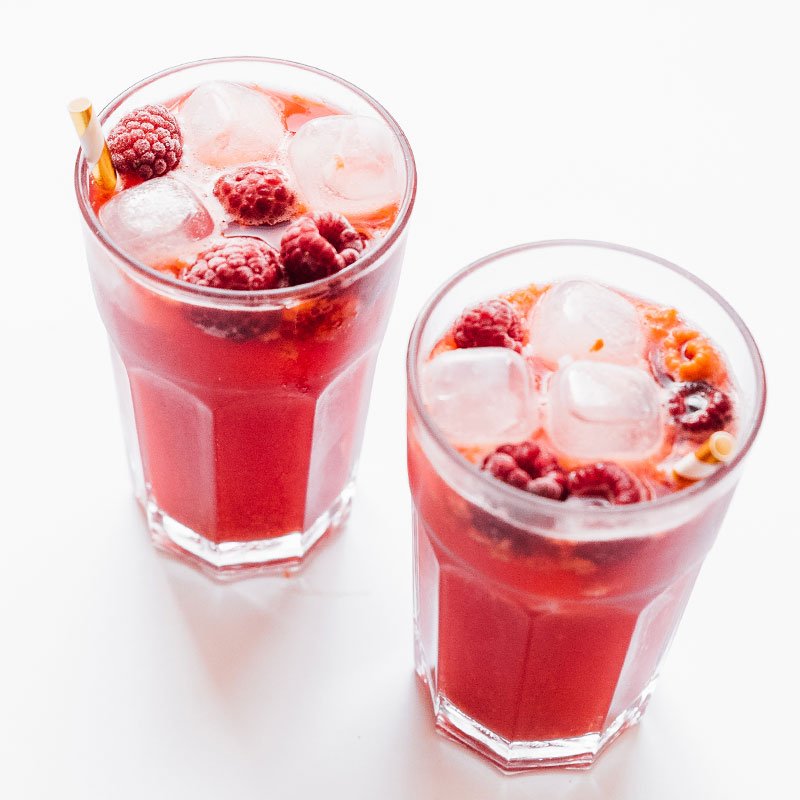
245 268
553 411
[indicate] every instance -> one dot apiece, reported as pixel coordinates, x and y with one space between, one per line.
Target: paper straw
718 449
93 143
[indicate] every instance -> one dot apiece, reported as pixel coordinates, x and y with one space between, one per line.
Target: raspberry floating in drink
318 246
529 468
243 263
607 481
492 324
690 356
700 407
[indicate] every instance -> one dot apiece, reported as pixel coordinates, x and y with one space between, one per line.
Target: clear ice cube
226 123
481 396
157 221
604 411
349 164
583 320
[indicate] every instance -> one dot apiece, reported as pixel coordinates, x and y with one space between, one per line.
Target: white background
672 127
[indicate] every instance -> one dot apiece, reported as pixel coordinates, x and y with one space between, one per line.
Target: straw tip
722 446
78 105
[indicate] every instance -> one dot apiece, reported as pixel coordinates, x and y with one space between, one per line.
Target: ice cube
227 123
349 164
481 395
599 411
581 319
157 221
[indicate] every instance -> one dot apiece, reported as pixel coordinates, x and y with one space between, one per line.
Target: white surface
670 127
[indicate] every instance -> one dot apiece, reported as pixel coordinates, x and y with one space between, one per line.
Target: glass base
514 756
232 560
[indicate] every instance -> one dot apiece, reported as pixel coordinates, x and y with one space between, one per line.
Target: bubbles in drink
481 396
598 411
157 221
348 164
584 320
226 123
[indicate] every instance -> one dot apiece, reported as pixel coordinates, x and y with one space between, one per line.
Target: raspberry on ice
147 142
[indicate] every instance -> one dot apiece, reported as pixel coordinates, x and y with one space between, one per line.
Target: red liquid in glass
537 637
541 639
251 437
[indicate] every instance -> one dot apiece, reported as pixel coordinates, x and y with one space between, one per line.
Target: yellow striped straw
93 143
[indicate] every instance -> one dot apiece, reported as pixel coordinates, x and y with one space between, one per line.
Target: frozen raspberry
243 263
257 195
527 467
699 407
607 481
147 142
319 245
689 356
491 324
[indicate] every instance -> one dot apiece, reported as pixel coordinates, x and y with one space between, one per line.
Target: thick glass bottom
232 560
514 756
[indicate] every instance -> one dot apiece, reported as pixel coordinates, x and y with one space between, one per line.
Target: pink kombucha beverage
245 268
573 447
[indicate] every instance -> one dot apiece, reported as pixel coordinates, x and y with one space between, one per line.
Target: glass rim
170 282
544 504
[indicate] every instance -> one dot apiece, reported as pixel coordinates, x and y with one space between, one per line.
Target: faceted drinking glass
540 625
243 448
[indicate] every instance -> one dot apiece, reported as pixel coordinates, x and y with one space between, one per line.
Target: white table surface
669 127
